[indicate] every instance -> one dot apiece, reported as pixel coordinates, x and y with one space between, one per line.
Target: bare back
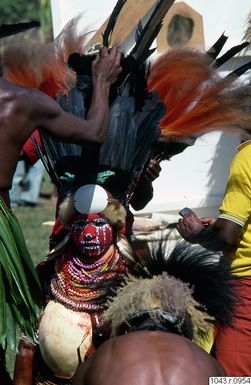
22 110
148 358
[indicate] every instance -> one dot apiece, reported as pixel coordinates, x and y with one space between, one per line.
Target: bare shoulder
22 110
14 100
9 90
29 102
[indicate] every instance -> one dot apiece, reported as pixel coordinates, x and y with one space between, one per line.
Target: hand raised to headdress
106 67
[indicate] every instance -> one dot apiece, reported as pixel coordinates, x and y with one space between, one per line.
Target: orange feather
44 66
198 100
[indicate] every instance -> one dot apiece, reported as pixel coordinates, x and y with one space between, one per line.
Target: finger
156 169
154 162
204 220
113 53
146 178
94 62
149 176
155 174
119 69
103 52
208 221
115 70
157 165
118 58
114 74
115 56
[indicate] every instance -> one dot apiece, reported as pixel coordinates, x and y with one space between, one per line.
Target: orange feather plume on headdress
197 99
44 66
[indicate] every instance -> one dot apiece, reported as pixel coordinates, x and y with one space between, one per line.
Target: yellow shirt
236 207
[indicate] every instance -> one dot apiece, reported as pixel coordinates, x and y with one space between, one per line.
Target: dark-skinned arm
223 234
47 115
23 372
143 192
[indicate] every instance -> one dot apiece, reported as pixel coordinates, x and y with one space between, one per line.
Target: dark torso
148 358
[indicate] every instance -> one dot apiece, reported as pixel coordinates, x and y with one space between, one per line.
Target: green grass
36 234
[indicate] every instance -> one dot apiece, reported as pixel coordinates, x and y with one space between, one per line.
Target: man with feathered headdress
22 111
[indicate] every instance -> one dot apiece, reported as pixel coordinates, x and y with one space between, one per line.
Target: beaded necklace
85 287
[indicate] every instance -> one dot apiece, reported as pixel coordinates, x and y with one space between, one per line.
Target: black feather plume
229 54
12 29
240 70
165 150
204 270
131 133
112 21
141 49
214 51
45 160
61 157
138 31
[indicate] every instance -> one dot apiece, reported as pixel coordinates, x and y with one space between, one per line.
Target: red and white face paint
92 234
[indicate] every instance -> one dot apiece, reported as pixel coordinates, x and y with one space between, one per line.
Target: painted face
92 234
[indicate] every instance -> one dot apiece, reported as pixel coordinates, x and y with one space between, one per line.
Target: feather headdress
145 36
107 34
12 29
247 34
179 95
198 99
44 66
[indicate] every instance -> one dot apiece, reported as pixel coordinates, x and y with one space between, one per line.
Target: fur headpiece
166 299
186 288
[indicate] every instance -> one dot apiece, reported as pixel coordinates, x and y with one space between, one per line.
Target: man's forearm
143 193
214 237
207 235
23 373
97 117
